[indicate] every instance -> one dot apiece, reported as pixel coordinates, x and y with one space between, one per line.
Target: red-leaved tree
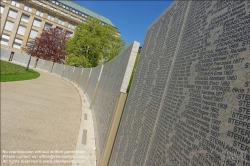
49 46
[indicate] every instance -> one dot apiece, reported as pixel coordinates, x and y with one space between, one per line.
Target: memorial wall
76 75
84 78
108 91
189 103
68 72
93 80
58 69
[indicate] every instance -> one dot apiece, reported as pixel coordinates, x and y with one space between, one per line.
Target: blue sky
132 18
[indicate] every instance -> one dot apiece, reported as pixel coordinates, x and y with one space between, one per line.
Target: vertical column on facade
15 27
55 21
66 24
41 27
4 17
22 7
28 28
53 26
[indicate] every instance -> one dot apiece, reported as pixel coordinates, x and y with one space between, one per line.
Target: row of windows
25 18
16 44
27 8
21 30
40 13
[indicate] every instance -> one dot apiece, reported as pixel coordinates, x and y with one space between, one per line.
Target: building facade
22 21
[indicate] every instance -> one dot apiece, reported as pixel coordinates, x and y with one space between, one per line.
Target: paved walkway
39 118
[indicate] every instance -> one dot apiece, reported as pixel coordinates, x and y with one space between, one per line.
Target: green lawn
13 72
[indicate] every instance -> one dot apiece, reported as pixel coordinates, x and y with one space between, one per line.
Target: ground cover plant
12 72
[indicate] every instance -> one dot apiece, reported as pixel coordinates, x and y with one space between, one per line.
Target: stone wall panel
188 95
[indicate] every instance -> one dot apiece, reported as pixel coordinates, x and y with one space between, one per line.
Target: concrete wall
48 66
93 81
185 106
108 91
41 63
84 78
5 54
33 61
68 71
58 69
21 58
76 75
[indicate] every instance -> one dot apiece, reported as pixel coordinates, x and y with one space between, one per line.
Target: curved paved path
40 114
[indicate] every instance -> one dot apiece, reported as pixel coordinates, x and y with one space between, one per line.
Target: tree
93 43
49 46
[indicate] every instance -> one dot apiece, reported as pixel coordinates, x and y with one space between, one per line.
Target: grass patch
13 72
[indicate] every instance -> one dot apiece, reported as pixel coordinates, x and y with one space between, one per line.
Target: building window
36 23
47 26
52 18
12 13
17 43
53 9
2 9
63 13
33 34
69 34
21 30
72 26
39 13
8 26
25 18
61 22
59 29
27 8
5 39
73 17
15 3
42 4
